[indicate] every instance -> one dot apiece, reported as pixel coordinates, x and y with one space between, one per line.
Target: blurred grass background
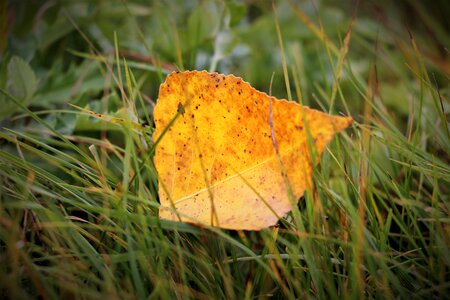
78 195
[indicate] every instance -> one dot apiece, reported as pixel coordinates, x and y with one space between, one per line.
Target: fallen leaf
218 162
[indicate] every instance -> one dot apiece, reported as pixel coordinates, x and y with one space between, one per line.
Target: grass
79 201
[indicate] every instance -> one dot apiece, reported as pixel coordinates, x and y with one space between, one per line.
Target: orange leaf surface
218 162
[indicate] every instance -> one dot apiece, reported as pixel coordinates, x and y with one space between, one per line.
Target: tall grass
78 212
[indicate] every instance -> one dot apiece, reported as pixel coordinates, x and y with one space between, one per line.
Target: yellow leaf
218 162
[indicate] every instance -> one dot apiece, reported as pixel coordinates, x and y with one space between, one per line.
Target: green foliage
78 194
19 80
